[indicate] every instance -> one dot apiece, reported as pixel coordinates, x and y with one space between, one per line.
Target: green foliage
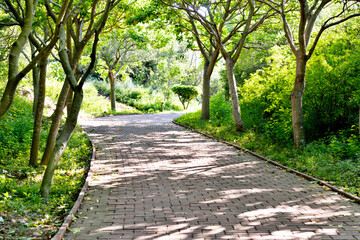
330 100
265 102
185 93
137 96
141 74
16 130
93 104
24 212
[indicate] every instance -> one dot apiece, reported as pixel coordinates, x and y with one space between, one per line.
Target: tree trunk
38 114
205 106
69 100
56 120
112 90
61 143
239 123
296 103
14 56
35 75
208 70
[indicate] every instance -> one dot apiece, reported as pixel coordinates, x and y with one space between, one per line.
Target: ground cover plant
23 213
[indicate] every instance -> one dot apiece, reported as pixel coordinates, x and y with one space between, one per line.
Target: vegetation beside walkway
23 213
333 159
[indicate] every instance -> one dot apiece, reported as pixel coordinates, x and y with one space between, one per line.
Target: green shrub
16 129
264 98
185 93
331 98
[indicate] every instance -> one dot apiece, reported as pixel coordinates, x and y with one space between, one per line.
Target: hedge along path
155 180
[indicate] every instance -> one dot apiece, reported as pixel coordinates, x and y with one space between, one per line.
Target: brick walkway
154 180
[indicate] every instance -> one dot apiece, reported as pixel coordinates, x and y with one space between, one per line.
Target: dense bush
330 99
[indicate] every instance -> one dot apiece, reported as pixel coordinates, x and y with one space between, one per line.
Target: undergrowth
23 213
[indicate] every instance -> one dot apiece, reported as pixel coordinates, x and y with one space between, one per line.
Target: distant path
155 180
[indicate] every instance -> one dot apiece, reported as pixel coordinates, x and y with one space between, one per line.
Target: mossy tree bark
55 123
210 60
35 76
205 105
14 55
296 103
38 114
61 143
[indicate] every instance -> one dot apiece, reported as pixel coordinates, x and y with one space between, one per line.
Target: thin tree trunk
239 123
205 106
35 75
56 120
38 114
296 103
9 93
112 90
61 143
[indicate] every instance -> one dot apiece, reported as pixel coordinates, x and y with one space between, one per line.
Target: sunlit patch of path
155 180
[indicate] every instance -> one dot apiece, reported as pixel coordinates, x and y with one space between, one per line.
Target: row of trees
68 31
225 26
63 29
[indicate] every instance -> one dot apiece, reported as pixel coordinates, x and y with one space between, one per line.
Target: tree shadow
161 182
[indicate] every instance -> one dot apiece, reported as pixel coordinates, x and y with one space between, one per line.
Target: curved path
155 180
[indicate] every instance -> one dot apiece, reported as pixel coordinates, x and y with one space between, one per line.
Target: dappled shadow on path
156 181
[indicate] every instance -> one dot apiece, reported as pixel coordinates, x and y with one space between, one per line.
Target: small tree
185 94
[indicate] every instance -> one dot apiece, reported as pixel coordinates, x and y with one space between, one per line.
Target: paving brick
155 180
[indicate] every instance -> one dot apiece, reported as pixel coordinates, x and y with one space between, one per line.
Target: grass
334 159
97 105
23 213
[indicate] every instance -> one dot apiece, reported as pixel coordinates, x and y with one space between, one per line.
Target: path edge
305 176
68 219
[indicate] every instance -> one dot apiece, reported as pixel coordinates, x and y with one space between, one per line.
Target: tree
94 30
205 43
24 18
114 54
185 94
313 19
80 29
229 23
